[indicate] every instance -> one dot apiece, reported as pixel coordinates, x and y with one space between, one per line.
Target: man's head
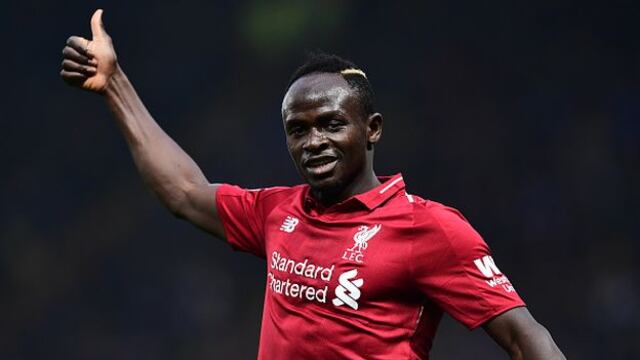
351 73
331 126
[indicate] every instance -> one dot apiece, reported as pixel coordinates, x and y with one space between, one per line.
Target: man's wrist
115 82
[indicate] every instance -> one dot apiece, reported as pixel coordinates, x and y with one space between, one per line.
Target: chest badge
361 242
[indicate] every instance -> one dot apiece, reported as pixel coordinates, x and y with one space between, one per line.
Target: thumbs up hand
89 64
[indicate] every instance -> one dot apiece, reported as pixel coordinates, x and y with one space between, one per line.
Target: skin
329 138
522 337
324 122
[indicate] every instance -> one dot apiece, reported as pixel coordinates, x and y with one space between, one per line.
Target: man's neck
357 186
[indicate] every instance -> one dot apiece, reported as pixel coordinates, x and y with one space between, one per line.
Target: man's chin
325 185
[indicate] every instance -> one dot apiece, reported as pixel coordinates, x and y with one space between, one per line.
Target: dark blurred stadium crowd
524 117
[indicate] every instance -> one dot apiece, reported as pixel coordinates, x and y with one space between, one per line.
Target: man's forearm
536 343
522 336
163 165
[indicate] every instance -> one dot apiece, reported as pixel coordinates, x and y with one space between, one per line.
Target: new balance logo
289 224
348 292
487 267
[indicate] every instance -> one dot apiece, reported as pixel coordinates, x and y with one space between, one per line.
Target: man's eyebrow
330 114
293 122
324 116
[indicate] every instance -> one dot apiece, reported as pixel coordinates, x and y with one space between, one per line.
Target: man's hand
89 64
170 173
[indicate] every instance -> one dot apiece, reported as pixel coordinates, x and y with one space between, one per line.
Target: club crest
360 243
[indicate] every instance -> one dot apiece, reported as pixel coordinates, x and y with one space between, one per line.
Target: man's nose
315 141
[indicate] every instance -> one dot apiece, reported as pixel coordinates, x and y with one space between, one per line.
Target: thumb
97 27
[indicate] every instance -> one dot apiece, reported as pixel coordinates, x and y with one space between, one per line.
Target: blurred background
525 116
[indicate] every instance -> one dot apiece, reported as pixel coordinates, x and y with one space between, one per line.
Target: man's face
326 131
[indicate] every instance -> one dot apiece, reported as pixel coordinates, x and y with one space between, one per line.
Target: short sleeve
242 213
454 268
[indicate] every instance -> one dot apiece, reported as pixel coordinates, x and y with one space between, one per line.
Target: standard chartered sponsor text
304 269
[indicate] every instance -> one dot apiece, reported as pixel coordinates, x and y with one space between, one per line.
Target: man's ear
374 128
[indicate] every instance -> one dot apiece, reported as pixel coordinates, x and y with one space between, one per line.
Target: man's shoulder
280 191
429 207
261 199
263 192
430 213
439 226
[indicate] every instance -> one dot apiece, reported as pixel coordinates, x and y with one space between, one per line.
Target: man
356 266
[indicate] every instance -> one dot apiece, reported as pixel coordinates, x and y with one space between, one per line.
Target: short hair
320 62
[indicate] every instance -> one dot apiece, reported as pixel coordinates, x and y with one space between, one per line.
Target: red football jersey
366 278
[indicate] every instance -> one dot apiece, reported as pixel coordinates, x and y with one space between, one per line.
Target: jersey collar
389 187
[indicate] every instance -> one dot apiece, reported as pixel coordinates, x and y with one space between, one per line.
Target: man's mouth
320 165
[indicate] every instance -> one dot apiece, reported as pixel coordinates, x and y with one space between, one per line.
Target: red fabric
366 278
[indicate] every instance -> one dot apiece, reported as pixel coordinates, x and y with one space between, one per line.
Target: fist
89 64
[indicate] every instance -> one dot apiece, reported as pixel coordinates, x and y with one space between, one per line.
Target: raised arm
170 173
522 336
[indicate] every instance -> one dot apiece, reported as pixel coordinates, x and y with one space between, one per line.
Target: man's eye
335 126
296 131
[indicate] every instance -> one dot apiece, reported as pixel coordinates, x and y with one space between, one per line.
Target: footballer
357 266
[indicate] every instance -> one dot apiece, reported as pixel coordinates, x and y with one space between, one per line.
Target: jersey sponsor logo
361 242
503 281
488 269
289 224
299 279
293 289
487 266
303 268
348 292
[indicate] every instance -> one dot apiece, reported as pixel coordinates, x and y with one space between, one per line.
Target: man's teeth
321 162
